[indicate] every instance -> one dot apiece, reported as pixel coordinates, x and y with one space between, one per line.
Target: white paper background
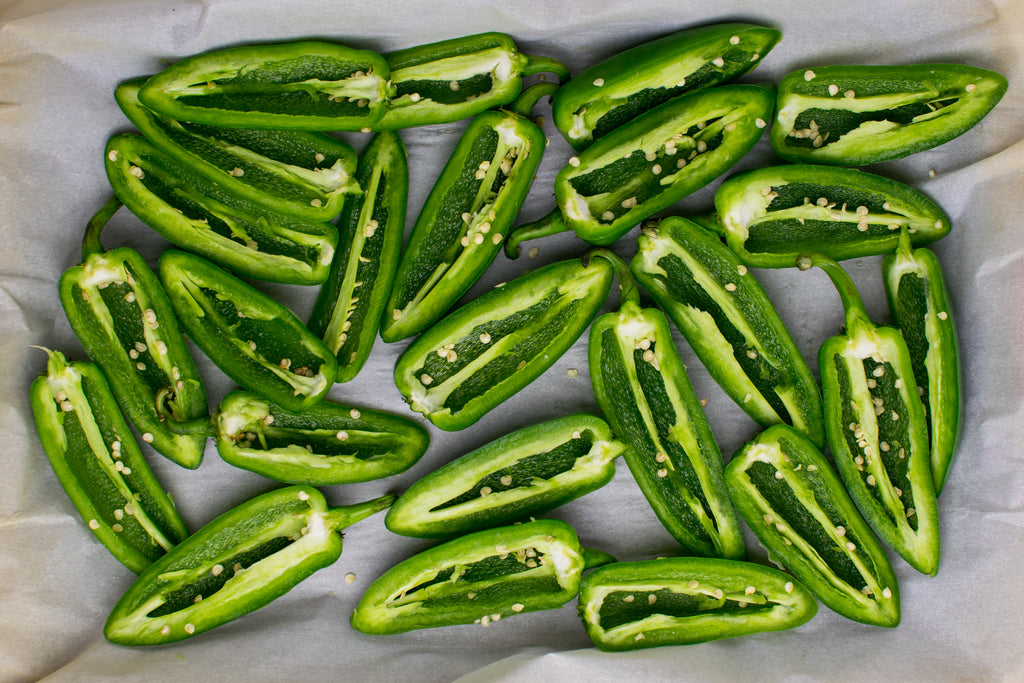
59 64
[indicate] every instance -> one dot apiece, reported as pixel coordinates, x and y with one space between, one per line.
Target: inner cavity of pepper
819 126
625 606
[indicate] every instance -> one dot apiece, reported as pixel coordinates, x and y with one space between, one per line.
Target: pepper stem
628 291
201 426
551 224
536 64
529 98
91 240
904 248
592 557
340 517
853 305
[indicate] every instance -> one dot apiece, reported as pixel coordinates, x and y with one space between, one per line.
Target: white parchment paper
59 64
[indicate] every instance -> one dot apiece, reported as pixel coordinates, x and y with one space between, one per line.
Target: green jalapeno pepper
642 388
253 339
324 445
684 600
730 324
455 79
527 472
294 172
195 214
98 462
789 496
349 306
300 86
119 311
920 308
876 428
770 216
858 115
620 88
463 222
239 562
489 349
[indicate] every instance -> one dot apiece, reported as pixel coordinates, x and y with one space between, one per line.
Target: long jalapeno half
876 427
730 323
120 312
294 172
470 209
790 497
527 472
484 352
324 445
620 88
196 214
253 339
642 388
920 307
858 115
455 79
241 561
770 216
299 86
349 306
684 600
98 462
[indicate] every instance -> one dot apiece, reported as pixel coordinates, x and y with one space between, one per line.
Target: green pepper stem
853 306
91 240
628 291
593 557
201 426
904 248
529 98
551 224
340 517
536 64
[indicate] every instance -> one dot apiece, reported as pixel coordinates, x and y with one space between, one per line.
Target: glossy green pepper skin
920 306
730 323
298 173
859 115
195 214
98 462
350 304
770 216
790 497
876 427
684 600
297 86
120 313
489 349
620 88
324 445
239 562
253 339
527 472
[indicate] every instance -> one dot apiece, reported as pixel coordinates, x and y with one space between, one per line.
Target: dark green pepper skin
478 578
530 471
98 462
620 88
730 323
489 349
296 86
770 216
350 304
193 213
298 173
324 445
859 115
253 339
920 307
684 600
239 562
876 427
790 497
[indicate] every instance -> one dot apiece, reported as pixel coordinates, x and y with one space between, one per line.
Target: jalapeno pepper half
770 216
120 312
98 462
620 88
858 115
876 427
527 472
253 339
920 307
239 562
730 323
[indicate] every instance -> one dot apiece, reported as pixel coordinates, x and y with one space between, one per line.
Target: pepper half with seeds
858 115
770 216
789 496
236 564
98 462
